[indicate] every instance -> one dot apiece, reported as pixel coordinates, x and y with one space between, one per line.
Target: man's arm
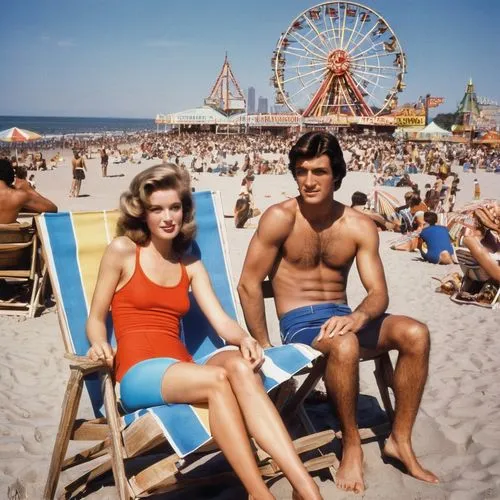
33 201
371 273
273 228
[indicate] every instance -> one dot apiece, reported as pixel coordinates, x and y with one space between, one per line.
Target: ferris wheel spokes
354 56
315 80
310 43
303 75
320 35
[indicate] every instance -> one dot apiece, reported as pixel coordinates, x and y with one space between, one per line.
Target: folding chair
474 280
73 244
19 264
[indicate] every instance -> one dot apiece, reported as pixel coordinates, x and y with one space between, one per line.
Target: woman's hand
252 352
102 351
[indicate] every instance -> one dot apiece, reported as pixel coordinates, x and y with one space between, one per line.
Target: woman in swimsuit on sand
144 276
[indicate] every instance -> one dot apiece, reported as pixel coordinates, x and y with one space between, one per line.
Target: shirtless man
20 196
79 167
306 245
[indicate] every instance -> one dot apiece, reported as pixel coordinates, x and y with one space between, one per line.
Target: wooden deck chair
384 375
73 244
477 287
19 263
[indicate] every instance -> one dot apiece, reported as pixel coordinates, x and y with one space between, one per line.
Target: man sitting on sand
306 245
18 196
438 241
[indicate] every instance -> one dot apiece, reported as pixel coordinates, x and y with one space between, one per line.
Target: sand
457 433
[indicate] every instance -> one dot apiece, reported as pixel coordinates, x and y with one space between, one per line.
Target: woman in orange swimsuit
144 277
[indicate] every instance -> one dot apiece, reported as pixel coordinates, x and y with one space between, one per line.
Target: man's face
315 179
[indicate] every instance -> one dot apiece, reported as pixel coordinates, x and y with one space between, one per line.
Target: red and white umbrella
15 134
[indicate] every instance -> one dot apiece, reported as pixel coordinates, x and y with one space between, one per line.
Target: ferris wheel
338 58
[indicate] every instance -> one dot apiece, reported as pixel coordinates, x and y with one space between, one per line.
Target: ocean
54 126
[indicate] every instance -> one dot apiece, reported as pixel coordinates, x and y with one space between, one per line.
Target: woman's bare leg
264 422
190 383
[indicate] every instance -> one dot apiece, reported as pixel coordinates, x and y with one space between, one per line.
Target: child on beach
144 277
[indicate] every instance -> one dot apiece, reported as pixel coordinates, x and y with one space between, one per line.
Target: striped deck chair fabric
474 279
74 244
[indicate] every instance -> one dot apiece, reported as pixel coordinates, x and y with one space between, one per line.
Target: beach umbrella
385 204
15 135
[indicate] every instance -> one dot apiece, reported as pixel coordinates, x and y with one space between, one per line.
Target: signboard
410 117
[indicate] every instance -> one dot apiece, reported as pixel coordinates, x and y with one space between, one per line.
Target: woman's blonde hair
135 202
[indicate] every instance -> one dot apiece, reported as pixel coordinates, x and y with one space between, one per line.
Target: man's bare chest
308 249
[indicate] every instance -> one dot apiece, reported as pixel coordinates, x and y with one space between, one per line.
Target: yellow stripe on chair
91 240
201 411
111 219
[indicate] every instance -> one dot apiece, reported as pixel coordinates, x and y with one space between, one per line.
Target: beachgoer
79 167
19 196
358 203
104 162
484 244
145 277
438 241
306 245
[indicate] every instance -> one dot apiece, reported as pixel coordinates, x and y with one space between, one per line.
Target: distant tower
251 100
262 106
226 95
467 111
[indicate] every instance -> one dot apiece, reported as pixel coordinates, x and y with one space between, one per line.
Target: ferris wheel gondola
338 58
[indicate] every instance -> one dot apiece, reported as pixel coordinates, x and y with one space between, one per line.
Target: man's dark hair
6 171
316 144
358 199
431 218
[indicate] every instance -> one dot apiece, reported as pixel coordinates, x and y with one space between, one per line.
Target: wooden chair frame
22 252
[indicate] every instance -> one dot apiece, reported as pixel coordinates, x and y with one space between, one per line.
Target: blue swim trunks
302 325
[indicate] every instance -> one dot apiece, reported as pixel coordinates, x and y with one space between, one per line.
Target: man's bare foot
405 454
349 476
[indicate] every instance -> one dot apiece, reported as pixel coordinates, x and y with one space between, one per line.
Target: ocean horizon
66 125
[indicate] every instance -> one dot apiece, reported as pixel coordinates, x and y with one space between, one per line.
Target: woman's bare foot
349 476
405 454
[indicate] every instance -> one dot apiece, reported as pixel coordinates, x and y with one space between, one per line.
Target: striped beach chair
475 280
73 244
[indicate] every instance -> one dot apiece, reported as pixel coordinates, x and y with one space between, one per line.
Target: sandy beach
457 433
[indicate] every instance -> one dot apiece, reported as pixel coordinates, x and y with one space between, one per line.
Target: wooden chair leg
117 449
69 410
384 375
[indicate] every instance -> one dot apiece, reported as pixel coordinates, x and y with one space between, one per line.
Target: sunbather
145 277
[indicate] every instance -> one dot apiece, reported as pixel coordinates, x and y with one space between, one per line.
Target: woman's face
164 214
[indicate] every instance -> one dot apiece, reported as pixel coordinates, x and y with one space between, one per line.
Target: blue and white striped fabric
74 244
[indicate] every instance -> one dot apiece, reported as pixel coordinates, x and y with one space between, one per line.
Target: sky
124 58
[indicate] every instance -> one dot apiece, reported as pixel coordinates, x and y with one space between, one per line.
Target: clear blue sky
124 58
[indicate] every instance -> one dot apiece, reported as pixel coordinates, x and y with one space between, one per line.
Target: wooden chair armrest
85 364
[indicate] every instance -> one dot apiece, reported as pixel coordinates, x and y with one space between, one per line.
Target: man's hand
252 352
103 351
340 325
